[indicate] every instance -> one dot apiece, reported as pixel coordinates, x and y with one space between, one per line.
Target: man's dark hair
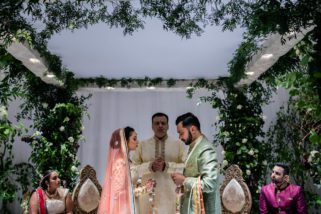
188 119
285 166
159 114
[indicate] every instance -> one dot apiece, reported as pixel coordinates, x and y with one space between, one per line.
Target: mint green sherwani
201 161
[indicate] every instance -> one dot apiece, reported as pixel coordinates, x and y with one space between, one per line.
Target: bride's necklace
50 196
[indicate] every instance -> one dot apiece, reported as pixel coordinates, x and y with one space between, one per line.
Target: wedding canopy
100 51
72 50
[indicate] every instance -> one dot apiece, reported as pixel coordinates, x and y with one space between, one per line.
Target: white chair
235 194
87 192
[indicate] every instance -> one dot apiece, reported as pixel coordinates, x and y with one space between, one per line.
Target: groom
201 172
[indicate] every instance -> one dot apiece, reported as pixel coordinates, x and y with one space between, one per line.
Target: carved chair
235 194
87 192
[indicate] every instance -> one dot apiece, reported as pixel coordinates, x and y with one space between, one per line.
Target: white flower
309 159
312 155
239 107
19 126
3 112
264 117
223 152
62 128
71 139
226 133
264 162
66 119
82 128
251 152
225 163
217 117
244 140
248 172
45 105
258 190
37 133
74 169
199 102
81 138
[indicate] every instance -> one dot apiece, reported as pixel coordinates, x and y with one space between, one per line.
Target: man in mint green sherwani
200 178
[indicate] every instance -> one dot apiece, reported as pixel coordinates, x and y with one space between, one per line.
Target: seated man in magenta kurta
280 196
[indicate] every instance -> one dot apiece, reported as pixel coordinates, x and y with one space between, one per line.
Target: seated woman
118 193
50 198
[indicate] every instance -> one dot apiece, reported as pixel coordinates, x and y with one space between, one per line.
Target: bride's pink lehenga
117 196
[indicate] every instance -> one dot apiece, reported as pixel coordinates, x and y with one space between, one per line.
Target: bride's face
132 142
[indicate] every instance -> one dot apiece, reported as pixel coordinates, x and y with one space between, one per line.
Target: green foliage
295 136
260 19
55 147
13 177
239 125
123 82
241 57
50 107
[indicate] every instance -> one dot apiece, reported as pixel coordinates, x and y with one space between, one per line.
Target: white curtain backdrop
110 110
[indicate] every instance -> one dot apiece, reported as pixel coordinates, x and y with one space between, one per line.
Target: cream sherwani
173 152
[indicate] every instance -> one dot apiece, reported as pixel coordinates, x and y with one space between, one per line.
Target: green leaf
314 138
317 75
305 60
294 92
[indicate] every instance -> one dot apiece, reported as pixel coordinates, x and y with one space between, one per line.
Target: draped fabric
117 195
52 205
198 202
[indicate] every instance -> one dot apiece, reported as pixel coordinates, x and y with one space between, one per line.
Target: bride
118 193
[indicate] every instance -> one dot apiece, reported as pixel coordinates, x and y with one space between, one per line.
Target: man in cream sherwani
157 158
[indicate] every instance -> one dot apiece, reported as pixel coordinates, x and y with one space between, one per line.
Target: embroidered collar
163 139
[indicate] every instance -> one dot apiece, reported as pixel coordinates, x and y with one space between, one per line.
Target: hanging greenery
14 177
55 146
295 136
124 82
239 126
56 113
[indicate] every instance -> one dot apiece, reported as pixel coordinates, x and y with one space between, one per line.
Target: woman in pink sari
118 195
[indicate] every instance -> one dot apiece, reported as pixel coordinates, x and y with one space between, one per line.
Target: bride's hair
128 130
45 177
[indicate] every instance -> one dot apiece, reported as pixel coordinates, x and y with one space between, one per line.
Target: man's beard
279 184
189 140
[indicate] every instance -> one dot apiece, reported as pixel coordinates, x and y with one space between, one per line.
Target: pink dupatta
117 196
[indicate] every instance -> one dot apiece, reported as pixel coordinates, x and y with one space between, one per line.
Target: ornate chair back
235 194
87 192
